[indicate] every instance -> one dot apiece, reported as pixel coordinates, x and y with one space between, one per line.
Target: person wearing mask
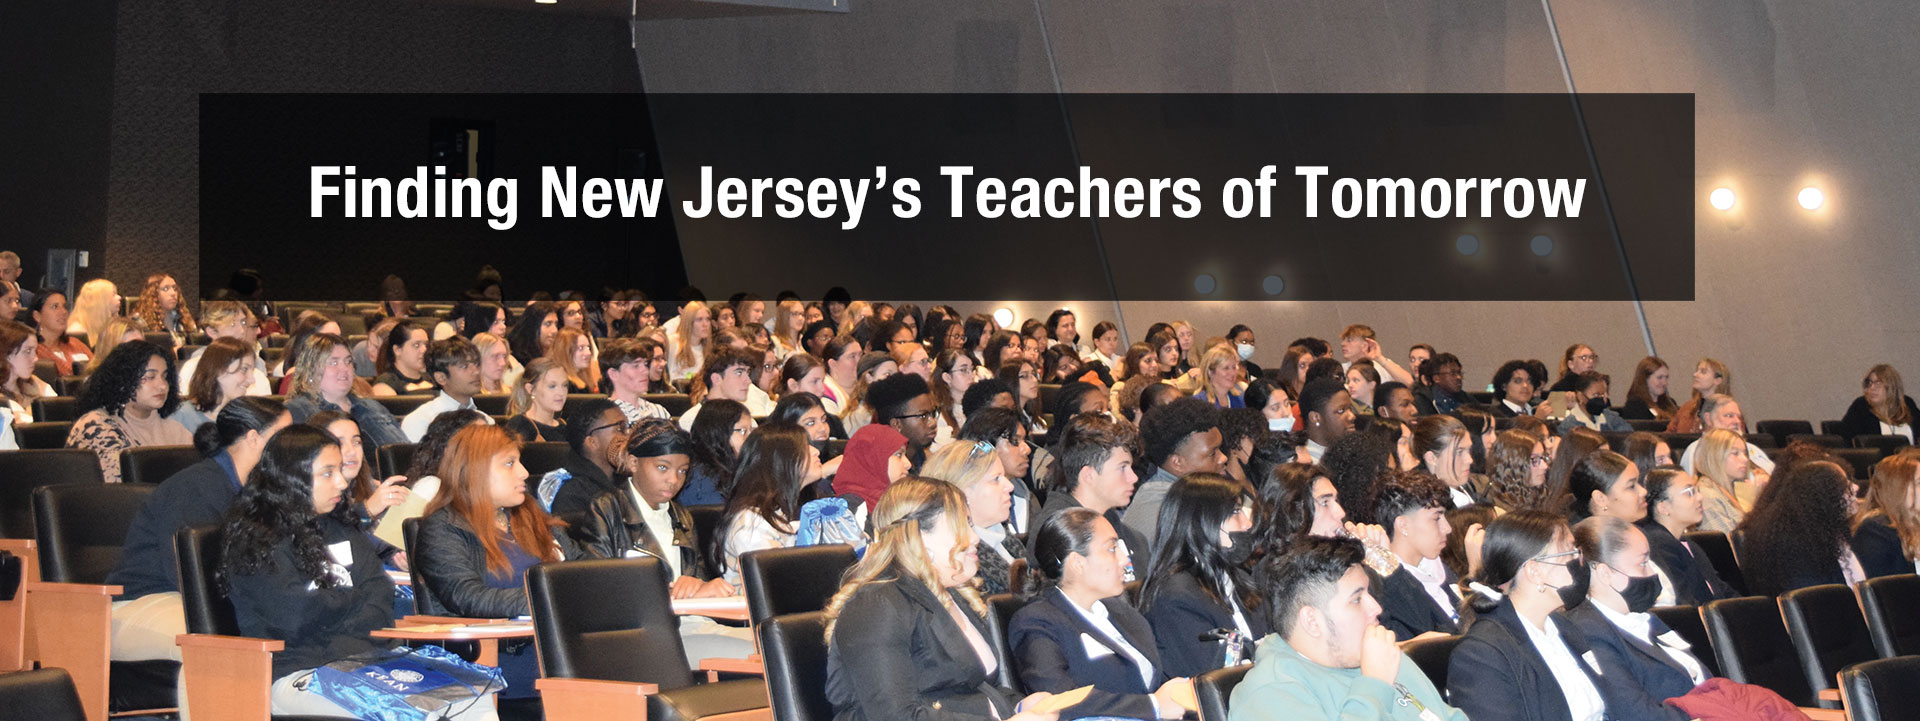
1513 385
1198 596
1440 387
128 402
323 381
1274 405
536 404
1077 628
1094 470
50 316
1710 377
148 615
1445 449
1797 533
596 436
1883 408
1524 660
1328 411
1606 484
918 645
975 468
1674 506
1329 658
1647 397
454 367
1622 585
1178 438
1418 598
776 464
1243 348
223 378
1591 409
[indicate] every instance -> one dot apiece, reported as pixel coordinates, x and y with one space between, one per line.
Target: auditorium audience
1727 479
1886 536
1361 380
453 365
842 354
1329 416
160 310
373 496
876 456
50 317
97 303
1514 387
718 432
1574 447
1440 391
975 468
1093 469
1622 585
1179 438
1883 408
596 438
1395 400
1354 463
225 376
904 403
18 385
1647 451
1647 397
1516 471
1590 407
776 463
1445 450
687 345
402 362
323 381
1796 535
1674 505
1274 405
1220 379
127 403
499 372
536 403
533 334
1001 428
952 376
1197 586
726 375
1710 378
1605 483
1420 597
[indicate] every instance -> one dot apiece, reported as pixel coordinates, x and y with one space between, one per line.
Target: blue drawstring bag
405 684
831 520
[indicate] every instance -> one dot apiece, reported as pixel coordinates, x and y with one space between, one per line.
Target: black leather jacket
453 565
612 526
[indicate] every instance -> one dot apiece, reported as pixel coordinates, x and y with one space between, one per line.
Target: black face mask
1641 593
1572 594
1237 554
1596 406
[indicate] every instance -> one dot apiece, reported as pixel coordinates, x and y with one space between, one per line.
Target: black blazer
1050 641
1180 612
1139 552
1652 675
1425 398
896 654
453 565
1877 545
1860 420
1695 581
1638 410
1499 409
1408 610
1495 674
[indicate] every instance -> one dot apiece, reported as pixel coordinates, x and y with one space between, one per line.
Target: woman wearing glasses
1622 584
1024 379
1517 470
1883 408
1198 597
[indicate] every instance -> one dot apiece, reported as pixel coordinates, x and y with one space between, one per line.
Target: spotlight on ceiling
1721 198
1811 198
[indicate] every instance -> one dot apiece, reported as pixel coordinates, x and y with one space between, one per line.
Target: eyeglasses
1538 460
1573 558
1588 357
911 416
618 427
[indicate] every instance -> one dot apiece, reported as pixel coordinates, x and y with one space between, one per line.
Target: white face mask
1246 351
1280 425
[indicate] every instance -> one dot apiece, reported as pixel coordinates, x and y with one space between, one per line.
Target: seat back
393 459
23 471
1432 655
1828 631
1882 690
1751 646
493 404
196 553
43 695
56 408
1859 461
706 522
781 581
1892 606
153 464
794 648
676 404
422 598
1718 549
1887 445
1000 610
400 406
1781 430
81 528
1833 428
538 458
1214 688
49 371
1685 620
1830 440
42 435
580 635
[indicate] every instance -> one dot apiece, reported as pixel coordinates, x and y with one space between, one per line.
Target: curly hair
1798 527
432 447
116 378
1355 464
1509 467
147 309
277 503
1286 506
1164 428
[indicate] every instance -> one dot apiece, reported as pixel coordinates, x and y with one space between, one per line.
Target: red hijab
863 469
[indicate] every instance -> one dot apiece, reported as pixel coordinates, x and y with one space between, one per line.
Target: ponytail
1063 533
1512 540
239 417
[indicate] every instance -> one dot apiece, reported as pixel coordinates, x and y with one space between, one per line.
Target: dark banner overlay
958 197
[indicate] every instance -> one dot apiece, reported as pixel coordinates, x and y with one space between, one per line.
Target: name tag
1592 663
340 558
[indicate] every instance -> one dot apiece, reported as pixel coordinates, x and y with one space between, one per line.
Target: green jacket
1285 686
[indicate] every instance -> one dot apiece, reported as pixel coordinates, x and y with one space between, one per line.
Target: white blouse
1583 699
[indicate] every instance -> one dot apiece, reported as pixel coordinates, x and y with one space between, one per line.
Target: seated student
1095 471
403 362
1419 597
1328 413
904 403
454 366
1523 659
975 468
1647 396
1514 384
916 645
323 381
299 570
1673 506
805 410
1240 429
230 319
536 403
641 519
1445 449
572 351
373 496
1797 533
422 473
1727 476
1887 537
1722 412
596 437
1077 628
1606 484
68 353
1440 390
718 433
1883 408
1002 429
776 463
1179 438
1329 659
727 375
499 372
1591 408
126 404
1198 587
147 615
1622 585
1516 470
625 368
1298 500
1393 399
228 371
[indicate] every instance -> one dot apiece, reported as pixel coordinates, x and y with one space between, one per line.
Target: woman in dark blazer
1198 589
1621 587
1673 506
916 646
1499 672
1078 630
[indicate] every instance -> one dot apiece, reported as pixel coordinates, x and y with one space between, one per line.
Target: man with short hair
230 319
1179 438
1419 597
453 364
1440 390
1327 410
1591 408
624 366
596 436
1358 343
728 374
987 393
904 402
1096 472
1328 658
10 272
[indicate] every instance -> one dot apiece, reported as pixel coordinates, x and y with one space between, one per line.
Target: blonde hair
107 339
848 317
313 357
1710 462
483 341
686 355
1719 369
1892 411
216 313
1194 352
94 307
1896 479
783 332
561 353
961 463
522 398
1214 358
909 506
